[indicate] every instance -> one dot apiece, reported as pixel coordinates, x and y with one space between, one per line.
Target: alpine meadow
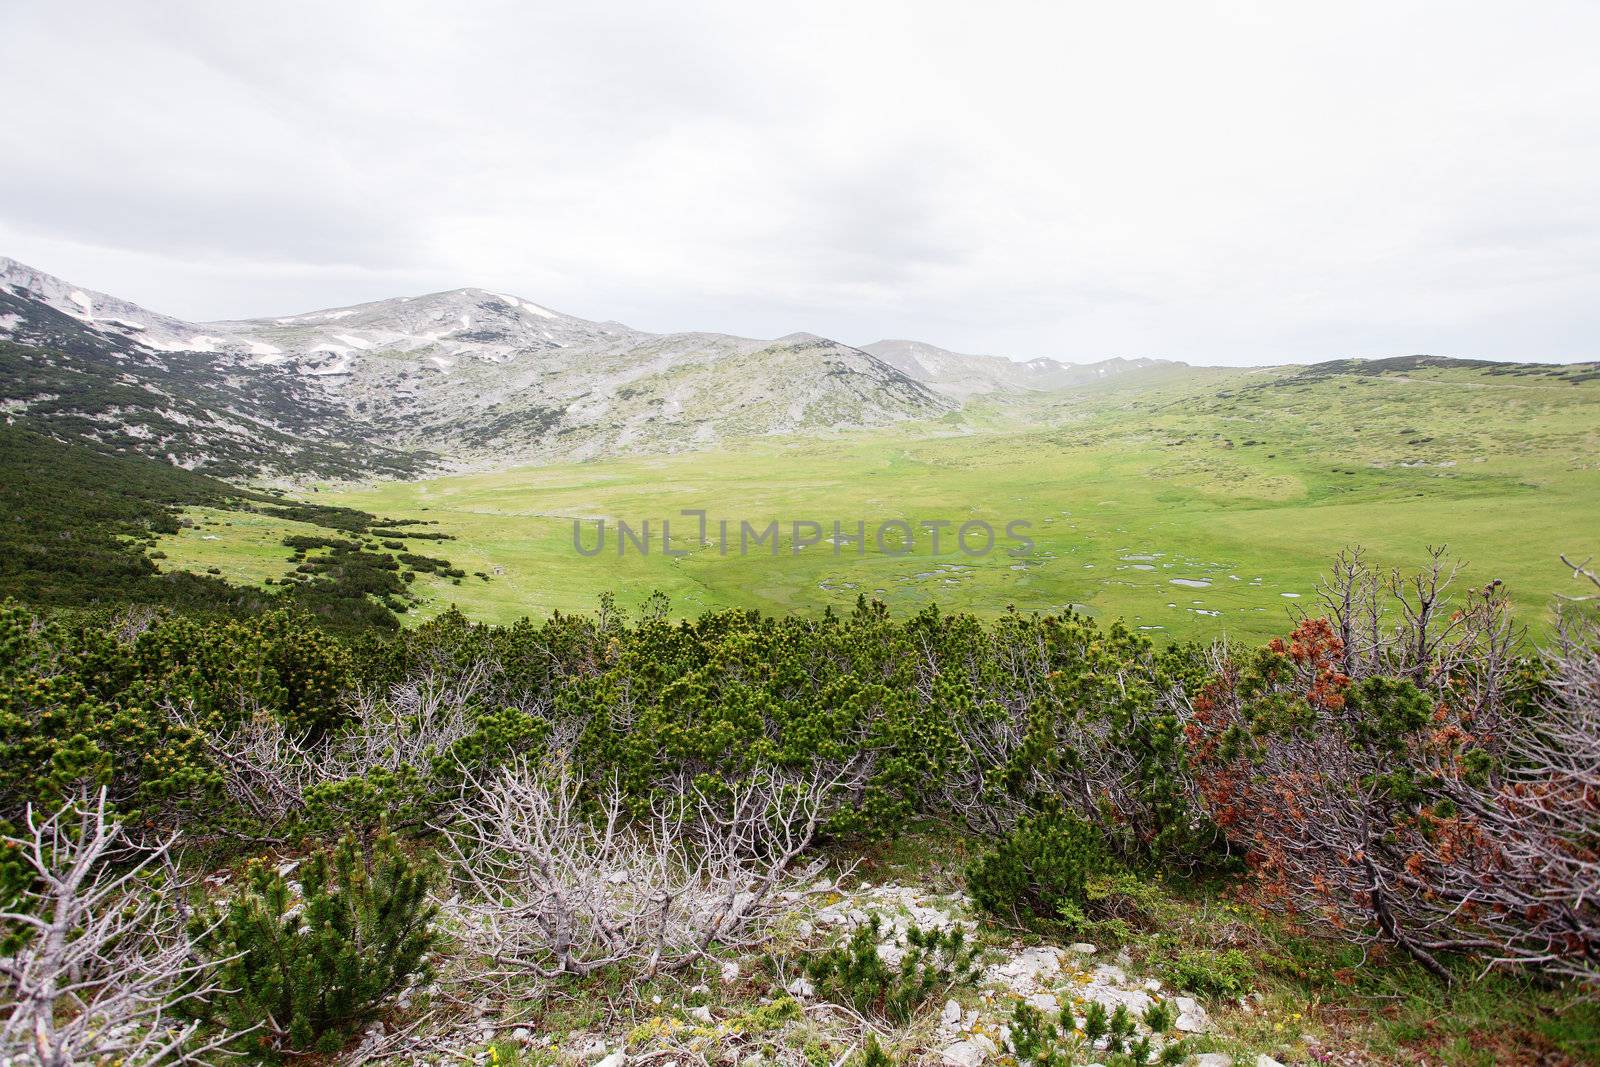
657 659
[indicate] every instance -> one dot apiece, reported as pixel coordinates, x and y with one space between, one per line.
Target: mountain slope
480 377
109 373
440 329
29 292
483 376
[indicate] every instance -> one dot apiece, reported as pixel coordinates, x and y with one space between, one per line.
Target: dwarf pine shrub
1039 869
306 970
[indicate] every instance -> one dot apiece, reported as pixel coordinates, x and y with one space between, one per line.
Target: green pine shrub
1096 1022
1039 869
1040 1040
1121 1027
855 973
308 970
1161 1016
872 1054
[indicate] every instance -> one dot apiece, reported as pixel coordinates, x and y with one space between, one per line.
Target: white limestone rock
1027 971
969 1053
1192 1018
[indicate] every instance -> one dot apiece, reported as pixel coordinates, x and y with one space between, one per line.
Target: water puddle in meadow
1191 583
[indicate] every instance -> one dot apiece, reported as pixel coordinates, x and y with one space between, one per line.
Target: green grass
1247 481
243 546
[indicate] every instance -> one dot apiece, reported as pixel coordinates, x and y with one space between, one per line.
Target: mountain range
467 377
962 376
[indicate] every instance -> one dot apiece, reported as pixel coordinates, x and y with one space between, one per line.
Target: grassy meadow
1190 506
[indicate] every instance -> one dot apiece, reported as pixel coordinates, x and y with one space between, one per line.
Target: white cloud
1230 183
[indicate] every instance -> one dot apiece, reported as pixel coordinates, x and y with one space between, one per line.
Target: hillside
85 367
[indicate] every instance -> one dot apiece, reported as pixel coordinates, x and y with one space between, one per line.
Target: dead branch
542 888
105 962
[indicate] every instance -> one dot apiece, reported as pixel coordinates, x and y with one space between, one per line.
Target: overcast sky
1223 183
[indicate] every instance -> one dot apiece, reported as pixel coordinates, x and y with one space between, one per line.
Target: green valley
1193 504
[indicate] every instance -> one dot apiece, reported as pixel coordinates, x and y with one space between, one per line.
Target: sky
1224 183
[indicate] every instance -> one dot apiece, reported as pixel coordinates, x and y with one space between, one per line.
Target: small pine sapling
1161 1016
1033 1035
1038 1040
1174 1054
1096 1023
308 969
1121 1026
855 974
872 1054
